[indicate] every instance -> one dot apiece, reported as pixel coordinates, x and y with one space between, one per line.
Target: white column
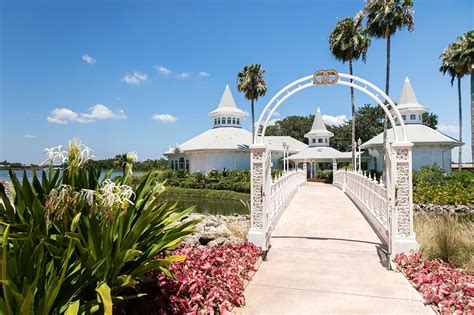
401 198
256 233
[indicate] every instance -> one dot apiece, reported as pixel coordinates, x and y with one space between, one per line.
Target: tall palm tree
349 42
251 82
384 19
457 63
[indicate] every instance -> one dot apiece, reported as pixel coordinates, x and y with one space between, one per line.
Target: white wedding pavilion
430 147
226 144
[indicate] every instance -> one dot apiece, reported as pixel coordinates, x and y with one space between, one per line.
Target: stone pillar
257 232
401 198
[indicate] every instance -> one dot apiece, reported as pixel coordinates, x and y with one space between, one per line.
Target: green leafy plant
73 242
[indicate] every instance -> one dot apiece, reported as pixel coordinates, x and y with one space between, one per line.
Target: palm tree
349 42
251 82
457 63
384 19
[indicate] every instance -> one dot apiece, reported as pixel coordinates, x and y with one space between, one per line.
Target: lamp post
285 147
359 143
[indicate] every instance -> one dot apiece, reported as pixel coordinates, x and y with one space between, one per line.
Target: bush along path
447 289
210 280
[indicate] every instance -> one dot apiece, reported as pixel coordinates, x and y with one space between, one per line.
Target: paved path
325 258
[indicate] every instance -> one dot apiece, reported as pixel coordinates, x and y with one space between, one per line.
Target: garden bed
209 280
447 289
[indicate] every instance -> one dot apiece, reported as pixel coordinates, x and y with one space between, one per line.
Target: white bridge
386 206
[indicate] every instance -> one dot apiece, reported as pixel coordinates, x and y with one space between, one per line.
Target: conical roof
319 127
408 99
227 105
318 123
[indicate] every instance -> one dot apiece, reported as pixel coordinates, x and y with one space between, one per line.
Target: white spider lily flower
132 156
89 195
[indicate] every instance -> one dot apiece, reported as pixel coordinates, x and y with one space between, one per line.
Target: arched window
238 121
218 121
187 165
172 164
181 163
228 120
215 121
233 121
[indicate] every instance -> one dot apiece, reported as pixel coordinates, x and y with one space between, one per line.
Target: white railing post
401 190
258 217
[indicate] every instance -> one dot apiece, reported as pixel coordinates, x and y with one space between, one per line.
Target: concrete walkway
325 258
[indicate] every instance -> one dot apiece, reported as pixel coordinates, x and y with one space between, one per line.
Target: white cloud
29 136
276 114
184 75
165 118
88 59
101 112
135 78
63 115
448 128
162 70
204 74
334 120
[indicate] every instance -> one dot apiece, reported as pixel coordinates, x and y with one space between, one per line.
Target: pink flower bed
210 280
448 289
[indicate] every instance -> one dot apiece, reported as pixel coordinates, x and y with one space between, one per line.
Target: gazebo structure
319 155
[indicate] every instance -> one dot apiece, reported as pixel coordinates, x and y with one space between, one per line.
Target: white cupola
411 111
319 136
227 114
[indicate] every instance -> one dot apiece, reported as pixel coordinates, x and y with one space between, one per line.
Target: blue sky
93 67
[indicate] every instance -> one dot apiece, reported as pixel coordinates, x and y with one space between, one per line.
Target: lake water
202 204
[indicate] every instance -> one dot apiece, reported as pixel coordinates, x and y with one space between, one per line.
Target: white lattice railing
368 194
283 188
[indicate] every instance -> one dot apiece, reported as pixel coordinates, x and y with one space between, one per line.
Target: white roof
320 153
417 134
319 127
233 139
407 100
227 105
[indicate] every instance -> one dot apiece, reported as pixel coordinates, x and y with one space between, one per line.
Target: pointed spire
318 123
408 95
227 100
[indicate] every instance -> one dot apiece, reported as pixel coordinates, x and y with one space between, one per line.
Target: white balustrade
283 188
369 193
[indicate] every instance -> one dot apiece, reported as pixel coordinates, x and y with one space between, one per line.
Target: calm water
202 205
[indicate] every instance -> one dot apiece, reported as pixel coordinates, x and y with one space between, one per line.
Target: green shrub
75 243
432 185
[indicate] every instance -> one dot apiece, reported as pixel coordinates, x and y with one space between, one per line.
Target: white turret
227 114
319 136
408 105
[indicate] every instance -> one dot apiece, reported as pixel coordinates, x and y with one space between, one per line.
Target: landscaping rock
215 230
444 208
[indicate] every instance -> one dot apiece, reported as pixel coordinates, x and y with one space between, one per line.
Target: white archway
399 199
329 77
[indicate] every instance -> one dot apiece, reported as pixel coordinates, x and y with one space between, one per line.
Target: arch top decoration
331 77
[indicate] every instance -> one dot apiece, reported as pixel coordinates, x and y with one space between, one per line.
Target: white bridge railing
369 195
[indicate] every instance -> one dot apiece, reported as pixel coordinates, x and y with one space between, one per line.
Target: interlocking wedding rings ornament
325 77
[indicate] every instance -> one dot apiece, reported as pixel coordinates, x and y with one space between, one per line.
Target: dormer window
233 121
326 140
320 140
314 140
215 121
228 121
413 117
404 117
238 121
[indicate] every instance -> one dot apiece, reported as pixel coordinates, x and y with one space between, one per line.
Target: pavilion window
238 121
172 164
181 163
187 165
228 121
215 121
326 140
320 140
233 121
218 121
404 117
314 140
419 117
412 117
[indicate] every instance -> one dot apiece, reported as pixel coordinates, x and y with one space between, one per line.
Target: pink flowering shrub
450 290
210 280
